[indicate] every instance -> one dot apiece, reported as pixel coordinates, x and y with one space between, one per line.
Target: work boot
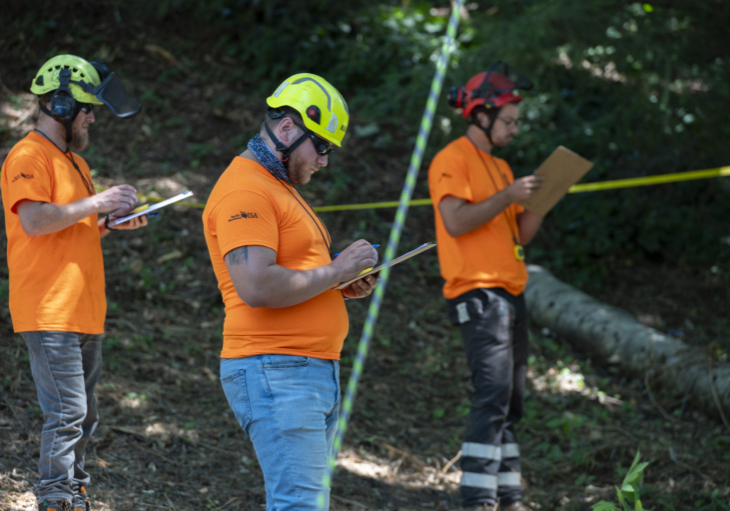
81 500
517 505
54 505
482 507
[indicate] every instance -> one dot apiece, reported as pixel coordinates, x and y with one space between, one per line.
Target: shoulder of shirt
27 146
249 183
30 149
454 149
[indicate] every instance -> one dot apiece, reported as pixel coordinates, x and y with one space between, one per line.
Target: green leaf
638 507
620 495
604 506
648 8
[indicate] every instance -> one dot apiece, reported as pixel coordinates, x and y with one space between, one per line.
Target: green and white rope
395 232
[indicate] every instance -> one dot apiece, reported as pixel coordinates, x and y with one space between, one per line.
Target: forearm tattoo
237 256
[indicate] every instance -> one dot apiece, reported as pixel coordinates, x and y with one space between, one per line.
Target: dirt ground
167 438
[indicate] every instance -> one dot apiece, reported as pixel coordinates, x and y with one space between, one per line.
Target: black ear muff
456 97
63 104
62 107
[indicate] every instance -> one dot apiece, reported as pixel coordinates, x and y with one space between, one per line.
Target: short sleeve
448 175
28 178
245 218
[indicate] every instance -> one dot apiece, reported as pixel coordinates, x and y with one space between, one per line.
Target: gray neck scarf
268 159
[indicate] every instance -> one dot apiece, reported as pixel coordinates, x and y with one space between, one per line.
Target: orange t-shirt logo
241 215
26 176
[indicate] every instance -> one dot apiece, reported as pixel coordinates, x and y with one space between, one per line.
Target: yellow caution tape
586 187
650 180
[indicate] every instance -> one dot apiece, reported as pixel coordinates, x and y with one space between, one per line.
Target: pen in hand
374 246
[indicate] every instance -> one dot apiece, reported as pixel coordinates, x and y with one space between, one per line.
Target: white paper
395 261
152 208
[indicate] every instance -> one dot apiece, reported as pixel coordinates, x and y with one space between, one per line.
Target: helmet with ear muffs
77 81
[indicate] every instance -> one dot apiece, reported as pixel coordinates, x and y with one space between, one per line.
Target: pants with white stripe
494 330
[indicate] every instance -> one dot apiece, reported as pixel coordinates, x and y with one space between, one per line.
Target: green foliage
629 491
640 89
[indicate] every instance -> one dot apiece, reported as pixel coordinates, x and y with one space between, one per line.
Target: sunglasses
87 108
322 147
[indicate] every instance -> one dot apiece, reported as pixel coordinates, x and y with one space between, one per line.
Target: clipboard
562 170
152 208
397 260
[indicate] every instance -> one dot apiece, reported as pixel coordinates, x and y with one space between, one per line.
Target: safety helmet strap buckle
281 147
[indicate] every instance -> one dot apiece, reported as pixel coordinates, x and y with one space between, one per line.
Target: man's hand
121 197
361 288
134 223
523 188
354 259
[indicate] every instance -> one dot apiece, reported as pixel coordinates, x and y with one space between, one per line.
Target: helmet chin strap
488 130
279 146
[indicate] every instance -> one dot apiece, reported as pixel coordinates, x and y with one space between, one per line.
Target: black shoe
81 500
54 505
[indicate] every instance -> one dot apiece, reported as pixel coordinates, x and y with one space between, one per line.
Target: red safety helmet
492 89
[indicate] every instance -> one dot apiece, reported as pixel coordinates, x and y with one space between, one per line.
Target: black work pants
494 330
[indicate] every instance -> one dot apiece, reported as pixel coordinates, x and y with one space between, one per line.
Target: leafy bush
629 491
639 89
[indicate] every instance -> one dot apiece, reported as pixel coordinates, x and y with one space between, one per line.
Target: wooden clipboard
562 170
400 259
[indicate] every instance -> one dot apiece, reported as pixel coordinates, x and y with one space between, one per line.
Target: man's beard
79 141
297 171
502 143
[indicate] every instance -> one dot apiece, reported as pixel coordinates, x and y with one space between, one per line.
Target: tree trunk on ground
617 335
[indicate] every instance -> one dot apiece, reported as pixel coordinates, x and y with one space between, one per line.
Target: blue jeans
65 367
289 406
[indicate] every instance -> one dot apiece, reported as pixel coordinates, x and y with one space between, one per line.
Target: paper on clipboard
152 208
562 170
397 260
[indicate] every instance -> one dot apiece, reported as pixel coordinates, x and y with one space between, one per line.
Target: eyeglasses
509 122
87 108
322 147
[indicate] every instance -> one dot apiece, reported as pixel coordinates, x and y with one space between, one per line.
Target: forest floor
167 438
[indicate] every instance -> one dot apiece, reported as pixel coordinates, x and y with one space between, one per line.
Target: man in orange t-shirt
57 297
285 324
480 229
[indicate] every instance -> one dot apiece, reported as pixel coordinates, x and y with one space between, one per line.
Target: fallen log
616 335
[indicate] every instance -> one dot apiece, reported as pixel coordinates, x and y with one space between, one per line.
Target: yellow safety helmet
47 78
76 80
323 109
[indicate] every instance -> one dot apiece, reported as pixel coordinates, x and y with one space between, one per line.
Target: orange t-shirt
249 206
56 280
484 257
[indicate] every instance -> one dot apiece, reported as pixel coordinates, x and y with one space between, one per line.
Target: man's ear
483 119
286 130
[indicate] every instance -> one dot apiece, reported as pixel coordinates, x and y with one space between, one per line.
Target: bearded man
57 295
285 324
481 230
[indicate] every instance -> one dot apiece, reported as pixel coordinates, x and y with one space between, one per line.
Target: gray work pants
65 367
493 327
